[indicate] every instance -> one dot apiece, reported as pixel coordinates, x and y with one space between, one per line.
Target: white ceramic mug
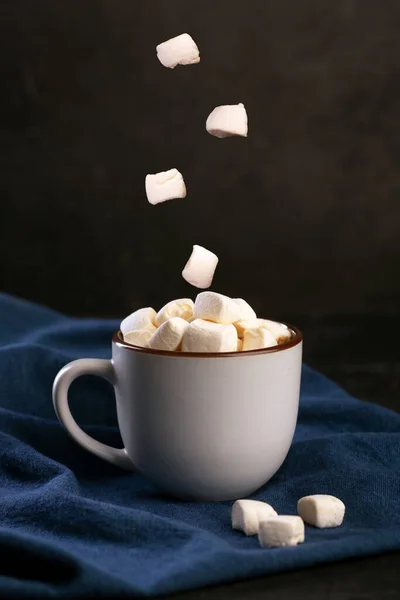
201 426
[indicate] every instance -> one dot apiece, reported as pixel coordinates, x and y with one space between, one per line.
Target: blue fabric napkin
72 525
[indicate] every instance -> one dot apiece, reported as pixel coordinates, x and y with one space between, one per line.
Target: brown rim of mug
297 337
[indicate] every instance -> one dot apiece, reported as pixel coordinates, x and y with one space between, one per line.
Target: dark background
304 213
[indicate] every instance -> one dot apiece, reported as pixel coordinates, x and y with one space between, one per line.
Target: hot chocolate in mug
200 426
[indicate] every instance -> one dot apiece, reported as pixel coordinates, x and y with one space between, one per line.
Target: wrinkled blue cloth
73 525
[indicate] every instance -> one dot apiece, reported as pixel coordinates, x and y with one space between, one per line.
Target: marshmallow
176 308
280 332
257 337
200 268
180 50
138 338
169 335
239 345
203 336
216 307
247 515
321 510
241 326
140 319
248 317
228 120
163 186
281 531
246 312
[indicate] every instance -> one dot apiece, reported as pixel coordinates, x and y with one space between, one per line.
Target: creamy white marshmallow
163 186
241 326
183 307
169 335
248 317
200 268
257 337
217 308
283 530
247 515
140 319
321 510
280 332
138 338
246 312
228 120
180 50
204 336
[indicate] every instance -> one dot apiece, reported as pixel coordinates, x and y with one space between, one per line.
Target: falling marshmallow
247 515
256 338
138 320
321 510
280 531
163 186
169 335
217 308
204 336
138 338
228 120
176 308
200 268
180 50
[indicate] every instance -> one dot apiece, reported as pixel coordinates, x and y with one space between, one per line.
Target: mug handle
86 366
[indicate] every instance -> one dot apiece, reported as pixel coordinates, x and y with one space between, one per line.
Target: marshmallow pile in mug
213 323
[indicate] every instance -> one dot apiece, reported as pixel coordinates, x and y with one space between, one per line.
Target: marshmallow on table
163 186
228 120
203 336
169 335
180 50
138 338
216 307
321 510
200 268
280 332
138 320
247 515
176 308
281 531
256 338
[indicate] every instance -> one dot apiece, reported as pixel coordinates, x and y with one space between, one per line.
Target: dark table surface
359 353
